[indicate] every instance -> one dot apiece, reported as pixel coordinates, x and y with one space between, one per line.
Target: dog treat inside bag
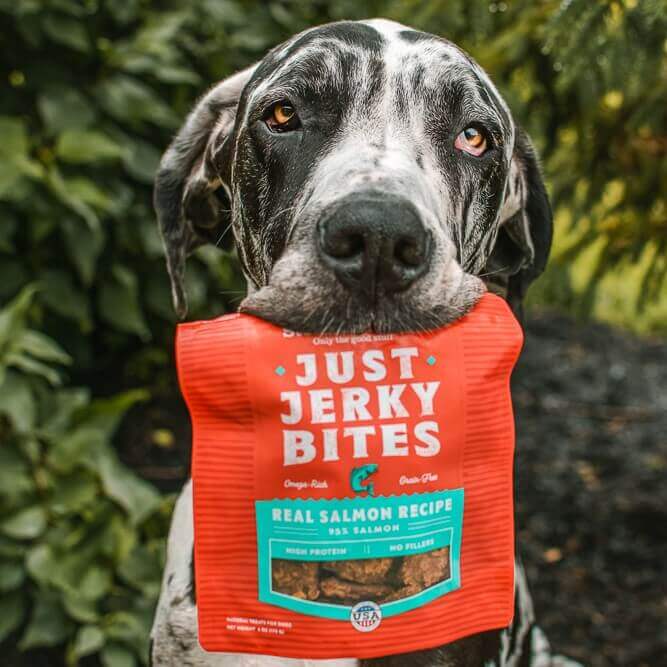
352 493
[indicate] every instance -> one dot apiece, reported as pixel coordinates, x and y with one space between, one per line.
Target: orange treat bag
352 493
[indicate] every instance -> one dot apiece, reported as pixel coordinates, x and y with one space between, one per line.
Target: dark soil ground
591 407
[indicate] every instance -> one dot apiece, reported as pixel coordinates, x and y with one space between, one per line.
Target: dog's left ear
191 196
524 238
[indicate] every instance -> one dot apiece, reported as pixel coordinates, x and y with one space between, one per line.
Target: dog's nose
374 242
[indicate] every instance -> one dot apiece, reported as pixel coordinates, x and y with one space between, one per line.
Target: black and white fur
380 106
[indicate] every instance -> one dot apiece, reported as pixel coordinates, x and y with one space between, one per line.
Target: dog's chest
269 661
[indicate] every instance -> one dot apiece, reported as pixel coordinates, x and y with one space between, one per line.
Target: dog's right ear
524 240
191 197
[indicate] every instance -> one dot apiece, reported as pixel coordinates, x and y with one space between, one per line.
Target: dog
373 179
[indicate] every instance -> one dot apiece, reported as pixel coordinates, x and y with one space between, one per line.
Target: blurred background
94 437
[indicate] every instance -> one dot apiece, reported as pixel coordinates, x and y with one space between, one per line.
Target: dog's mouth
345 313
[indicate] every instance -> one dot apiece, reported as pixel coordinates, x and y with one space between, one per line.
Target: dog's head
372 177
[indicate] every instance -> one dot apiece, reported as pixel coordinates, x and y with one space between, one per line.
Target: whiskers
222 236
236 295
502 269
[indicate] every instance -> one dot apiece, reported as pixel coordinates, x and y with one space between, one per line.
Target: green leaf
124 626
60 294
106 413
41 563
79 608
124 12
84 146
14 149
119 538
69 450
12 611
8 226
151 240
65 566
42 347
15 478
48 624
65 191
119 303
89 639
14 137
12 574
126 99
133 625
31 448
17 402
70 7
176 75
73 493
140 569
13 276
67 31
31 366
117 655
11 549
26 524
13 316
95 583
29 349
59 408
64 108
84 246
86 191
141 161
40 229
137 497
14 160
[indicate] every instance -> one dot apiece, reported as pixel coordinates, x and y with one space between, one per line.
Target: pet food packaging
353 494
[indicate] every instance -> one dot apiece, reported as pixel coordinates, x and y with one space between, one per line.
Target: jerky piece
339 589
403 592
423 570
366 571
296 578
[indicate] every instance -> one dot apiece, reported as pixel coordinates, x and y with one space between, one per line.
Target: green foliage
93 92
81 537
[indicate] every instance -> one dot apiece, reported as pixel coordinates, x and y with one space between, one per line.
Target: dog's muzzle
374 243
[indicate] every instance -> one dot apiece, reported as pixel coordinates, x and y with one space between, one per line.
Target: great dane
373 180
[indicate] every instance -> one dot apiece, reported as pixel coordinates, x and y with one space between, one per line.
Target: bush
96 93
81 537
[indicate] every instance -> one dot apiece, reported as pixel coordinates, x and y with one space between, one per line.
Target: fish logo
359 475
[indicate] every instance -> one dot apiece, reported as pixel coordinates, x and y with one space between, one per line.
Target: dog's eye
282 117
472 140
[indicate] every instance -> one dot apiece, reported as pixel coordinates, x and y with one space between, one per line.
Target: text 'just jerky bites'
352 494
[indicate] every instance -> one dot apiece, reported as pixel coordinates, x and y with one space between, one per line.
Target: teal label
302 546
